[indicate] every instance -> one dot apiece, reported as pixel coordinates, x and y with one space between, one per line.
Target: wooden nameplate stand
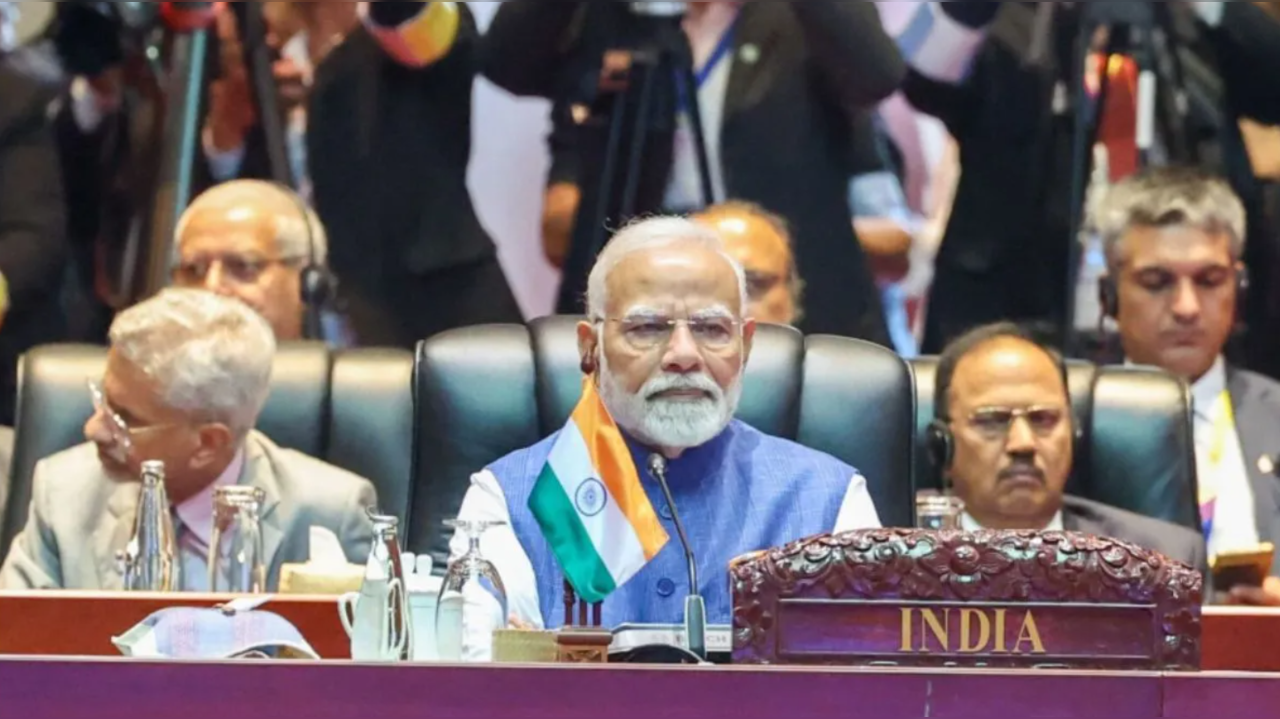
582 641
1010 600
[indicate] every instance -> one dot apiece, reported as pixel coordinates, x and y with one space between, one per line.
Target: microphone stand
178 154
695 608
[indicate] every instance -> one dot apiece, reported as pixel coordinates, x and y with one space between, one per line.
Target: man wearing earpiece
1004 440
257 241
1174 241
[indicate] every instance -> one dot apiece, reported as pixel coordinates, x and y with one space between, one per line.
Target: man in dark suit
1004 439
1175 241
387 143
778 83
976 66
32 228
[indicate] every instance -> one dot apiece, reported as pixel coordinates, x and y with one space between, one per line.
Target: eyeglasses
647 333
241 270
121 432
995 422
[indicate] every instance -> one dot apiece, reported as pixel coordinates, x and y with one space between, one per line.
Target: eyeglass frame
121 432
672 323
260 266
1015 414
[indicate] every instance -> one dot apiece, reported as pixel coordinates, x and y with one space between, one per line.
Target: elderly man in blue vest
664 348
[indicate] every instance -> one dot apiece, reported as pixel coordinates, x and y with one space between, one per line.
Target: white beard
670 423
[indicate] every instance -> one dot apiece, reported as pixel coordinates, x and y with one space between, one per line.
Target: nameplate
967 634
1010 600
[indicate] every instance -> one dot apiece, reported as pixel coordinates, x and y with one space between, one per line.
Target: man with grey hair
664 348
259 242
186 377
1174 241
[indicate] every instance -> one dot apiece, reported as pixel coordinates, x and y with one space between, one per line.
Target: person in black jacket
385 150
973 65
32 228
781 82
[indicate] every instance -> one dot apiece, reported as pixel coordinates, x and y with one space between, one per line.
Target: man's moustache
671 383
1021 468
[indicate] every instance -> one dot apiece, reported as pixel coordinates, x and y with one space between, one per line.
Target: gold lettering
967 644
1001 648
1029 634
906 630
941 629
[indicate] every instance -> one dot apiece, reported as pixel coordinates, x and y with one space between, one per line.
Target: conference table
57 660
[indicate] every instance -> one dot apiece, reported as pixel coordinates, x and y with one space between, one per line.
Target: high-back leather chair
1135 451
352 409
485 392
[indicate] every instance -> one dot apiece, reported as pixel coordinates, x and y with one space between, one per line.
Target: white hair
211 356
286 208
1168 197
649 234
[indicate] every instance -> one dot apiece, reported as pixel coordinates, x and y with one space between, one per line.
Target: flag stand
582 640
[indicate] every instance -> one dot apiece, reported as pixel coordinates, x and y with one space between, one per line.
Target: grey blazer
80 518
1256 401
1175 542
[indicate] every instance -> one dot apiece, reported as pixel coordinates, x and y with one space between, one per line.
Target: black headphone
940 441
1109 293
318 284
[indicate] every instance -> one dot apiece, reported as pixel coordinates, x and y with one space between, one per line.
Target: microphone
189 16
695 609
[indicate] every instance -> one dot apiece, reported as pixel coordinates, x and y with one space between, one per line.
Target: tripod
1145 32
630 82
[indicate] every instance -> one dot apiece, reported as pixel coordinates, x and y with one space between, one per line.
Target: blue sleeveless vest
743 492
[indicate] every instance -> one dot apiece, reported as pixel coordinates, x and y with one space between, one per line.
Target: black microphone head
657 464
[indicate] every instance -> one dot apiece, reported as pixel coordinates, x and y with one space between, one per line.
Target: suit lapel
260 472
1254 421
113 534
757 33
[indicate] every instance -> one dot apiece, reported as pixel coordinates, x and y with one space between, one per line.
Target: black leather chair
485 392
1136 450
352 409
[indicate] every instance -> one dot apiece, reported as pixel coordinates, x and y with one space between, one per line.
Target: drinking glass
235 549
473 600
936 511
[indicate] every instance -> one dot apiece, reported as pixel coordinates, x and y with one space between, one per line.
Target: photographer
778 86
379 136
976 66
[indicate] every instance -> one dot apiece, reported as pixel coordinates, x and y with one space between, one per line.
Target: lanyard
722 50
1223 427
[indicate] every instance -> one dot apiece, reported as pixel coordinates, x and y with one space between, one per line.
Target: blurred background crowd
372 174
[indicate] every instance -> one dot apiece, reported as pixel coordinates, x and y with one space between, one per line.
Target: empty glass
935 510
473 601
235 549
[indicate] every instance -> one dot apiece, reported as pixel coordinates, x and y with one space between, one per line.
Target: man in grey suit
1004 439
1174 240
186 377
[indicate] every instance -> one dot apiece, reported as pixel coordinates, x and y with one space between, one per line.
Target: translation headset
318 284
940 442
1109 294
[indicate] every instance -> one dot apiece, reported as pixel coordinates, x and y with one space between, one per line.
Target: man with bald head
760 241
1003 441
252 240
664 346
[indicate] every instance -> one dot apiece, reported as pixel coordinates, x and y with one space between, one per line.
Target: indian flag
591 507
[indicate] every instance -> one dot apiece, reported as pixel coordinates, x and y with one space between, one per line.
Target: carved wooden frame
1011 568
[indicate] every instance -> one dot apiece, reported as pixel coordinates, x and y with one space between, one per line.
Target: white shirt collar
1205 392
196 514
969 524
